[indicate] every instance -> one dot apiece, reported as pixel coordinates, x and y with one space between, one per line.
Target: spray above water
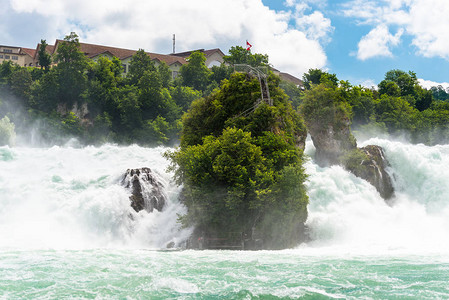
68 198
347 214
73 198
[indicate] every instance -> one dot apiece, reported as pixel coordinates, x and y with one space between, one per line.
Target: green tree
184 96
237 170
196 74
293 92
130 112
439 93
139 64
317 76
71 70
164 74
44 58
239 55
45 92
104 83
21 83
219 73
396 113
399 83
154 99
6 69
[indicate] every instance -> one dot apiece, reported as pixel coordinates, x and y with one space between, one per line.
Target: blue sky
359 40
347 32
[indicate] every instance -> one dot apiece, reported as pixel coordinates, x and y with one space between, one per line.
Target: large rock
372 168
146 190
331 142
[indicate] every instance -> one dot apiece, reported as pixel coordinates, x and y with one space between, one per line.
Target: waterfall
73 198
78 197
346 213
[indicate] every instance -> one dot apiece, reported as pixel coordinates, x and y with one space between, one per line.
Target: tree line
146 106
398 107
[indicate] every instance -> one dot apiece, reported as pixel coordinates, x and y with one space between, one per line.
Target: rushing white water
67 230
71 198
347 215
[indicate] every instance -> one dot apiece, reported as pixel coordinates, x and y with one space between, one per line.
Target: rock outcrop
146 190
328 122
331 142
372 167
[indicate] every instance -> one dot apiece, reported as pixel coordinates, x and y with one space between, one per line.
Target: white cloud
425 21
430 27
377 43
315 25
428 83
149 24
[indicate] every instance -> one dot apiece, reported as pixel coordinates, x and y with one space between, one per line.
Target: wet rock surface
373 170
147 192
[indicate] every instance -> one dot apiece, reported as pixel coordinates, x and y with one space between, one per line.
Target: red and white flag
248 45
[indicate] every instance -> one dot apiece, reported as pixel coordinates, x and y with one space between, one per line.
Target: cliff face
331 142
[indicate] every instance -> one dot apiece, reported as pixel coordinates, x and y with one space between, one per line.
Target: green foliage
293 92
44 58
21 83
219 73
158 130
353 160
236 169
196 74
230 186
239 55
184 96
45 92
399 83
362 103
71 125
130 112
6 69
101 131
165 74
208 115
125 108
396 113
323 106
7 132
71 70
439 93
317 76
139 64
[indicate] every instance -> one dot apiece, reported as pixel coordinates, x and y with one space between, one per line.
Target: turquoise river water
67 232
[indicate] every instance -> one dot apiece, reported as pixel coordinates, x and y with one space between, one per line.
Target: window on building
174 74
15 57
7 50
6 56
1 55
124 68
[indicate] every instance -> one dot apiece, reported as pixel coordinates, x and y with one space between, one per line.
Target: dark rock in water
373 169
146 190
170 245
